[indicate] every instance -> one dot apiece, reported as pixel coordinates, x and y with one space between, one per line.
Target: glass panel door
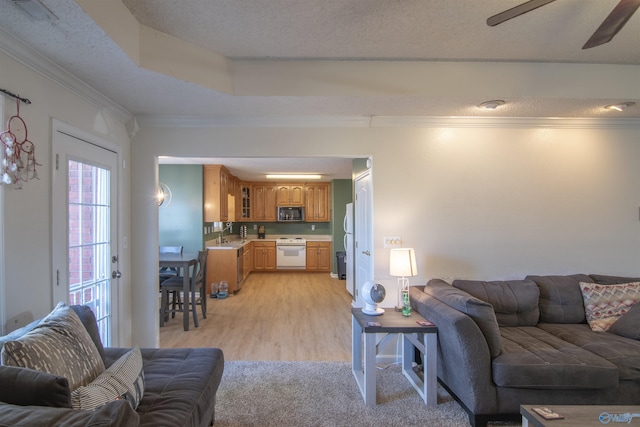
85 258
89 240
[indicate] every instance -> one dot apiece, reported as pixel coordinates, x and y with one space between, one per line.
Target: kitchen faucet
227 227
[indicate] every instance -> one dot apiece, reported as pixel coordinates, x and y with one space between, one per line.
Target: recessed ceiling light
491 105
619 107
294 176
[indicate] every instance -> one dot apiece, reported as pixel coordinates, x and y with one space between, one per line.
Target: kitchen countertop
234 242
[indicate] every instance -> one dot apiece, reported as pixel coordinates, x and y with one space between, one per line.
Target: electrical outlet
392 241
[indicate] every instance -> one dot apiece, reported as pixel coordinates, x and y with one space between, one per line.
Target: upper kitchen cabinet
218 187
289 195
263 201
317 202
244 209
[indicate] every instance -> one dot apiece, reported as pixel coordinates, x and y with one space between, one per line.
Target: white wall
475 200
27 275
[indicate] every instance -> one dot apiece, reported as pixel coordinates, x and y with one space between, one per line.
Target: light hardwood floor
275 316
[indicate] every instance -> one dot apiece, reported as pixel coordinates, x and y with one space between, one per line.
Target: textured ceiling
390 29
260 37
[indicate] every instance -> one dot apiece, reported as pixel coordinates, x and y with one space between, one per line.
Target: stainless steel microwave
290 213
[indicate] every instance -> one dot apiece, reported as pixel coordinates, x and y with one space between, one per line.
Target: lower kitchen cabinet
264 256
225 264
318 256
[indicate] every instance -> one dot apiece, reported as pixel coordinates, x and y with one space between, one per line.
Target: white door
85 227
363 232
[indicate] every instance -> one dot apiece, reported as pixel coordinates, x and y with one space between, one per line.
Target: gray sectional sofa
507 343
179 386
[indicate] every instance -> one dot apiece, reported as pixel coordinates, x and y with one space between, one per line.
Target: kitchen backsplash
271 228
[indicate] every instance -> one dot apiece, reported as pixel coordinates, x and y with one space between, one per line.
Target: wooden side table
363 360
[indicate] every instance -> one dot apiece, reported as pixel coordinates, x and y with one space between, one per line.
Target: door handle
367 253
116 275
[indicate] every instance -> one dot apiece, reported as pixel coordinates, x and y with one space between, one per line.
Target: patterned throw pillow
59 345
124 379
604 304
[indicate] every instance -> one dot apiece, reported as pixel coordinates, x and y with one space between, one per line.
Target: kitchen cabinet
222 264
232 185
264 202
289 195
216 193
264 256
317 202
244 211
318 256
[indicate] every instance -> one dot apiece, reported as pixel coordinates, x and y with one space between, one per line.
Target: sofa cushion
604 304
534 358
22 386
124 379
480 311
515 302
560 298
180 386
114 414
59 345
629 324
622 352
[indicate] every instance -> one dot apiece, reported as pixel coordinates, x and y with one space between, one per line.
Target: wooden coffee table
582 415
363 366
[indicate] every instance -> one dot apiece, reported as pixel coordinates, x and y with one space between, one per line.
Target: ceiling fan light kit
491 105
612 24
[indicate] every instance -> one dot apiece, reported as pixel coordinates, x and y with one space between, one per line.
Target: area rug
324 394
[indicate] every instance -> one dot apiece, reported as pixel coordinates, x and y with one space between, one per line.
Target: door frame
117 285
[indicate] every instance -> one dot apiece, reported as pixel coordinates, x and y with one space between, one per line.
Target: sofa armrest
22 386
118 413
464 362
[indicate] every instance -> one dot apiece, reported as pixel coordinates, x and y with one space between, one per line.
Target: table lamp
402 264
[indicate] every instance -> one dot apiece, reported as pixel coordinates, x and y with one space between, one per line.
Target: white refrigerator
348 246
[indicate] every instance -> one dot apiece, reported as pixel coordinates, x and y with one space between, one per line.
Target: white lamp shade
402 262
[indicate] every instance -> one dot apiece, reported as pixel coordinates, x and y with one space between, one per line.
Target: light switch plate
392 241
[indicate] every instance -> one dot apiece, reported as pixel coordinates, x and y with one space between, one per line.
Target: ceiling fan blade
516 11
613 23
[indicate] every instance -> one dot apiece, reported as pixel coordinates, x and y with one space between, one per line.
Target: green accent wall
180 223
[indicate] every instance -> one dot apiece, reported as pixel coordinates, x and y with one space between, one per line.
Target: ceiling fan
605 32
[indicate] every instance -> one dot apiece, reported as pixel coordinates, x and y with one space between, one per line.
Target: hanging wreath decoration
19 160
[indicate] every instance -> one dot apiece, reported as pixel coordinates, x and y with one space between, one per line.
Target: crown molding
502 122
269 122
385 122
31 58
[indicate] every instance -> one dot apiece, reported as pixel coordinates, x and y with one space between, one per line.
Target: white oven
291 254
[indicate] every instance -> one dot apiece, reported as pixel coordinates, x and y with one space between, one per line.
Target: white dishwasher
291 253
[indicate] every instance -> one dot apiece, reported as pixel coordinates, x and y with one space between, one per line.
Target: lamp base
372 310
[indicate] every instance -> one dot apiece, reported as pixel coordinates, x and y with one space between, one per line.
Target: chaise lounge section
178 385
506 343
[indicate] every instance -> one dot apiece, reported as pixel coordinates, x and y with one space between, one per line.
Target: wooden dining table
182 262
